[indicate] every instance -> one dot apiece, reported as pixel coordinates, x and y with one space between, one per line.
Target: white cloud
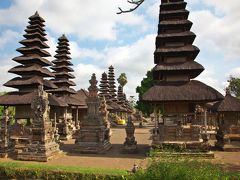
83 73
80 53
134 60
218 33
6 64
87 19
7 37
209 78
234 72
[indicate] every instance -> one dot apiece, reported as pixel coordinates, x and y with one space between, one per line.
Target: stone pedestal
42 145
5 144
94 133
130 144
228 140
186 137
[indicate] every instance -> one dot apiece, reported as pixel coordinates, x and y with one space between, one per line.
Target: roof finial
36 13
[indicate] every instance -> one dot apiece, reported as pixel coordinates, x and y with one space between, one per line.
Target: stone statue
130 144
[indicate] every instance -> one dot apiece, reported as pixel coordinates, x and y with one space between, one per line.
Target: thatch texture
31 69
229 104
81 97
20 98
194 91
32 59
30 81
173 5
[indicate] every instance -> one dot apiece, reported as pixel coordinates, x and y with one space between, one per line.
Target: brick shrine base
115 159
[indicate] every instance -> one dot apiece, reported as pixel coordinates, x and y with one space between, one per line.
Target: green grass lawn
31 170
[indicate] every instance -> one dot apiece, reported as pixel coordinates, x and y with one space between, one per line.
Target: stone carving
130 144
42 145
5 144
94 133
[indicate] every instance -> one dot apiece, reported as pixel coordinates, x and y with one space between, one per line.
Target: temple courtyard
116 159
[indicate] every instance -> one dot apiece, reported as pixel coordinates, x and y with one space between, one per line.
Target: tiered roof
120 95
104 87
111 82
229 104
174 58
32 70
175 54
62 69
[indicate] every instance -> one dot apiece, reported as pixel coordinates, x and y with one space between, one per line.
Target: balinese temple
176 94
66 117
31 72
228 134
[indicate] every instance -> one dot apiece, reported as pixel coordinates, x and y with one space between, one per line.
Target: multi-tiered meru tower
176 94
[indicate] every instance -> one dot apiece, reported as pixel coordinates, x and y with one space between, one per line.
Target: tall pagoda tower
104 88
176 94
32 70
111 82
62 69
68 117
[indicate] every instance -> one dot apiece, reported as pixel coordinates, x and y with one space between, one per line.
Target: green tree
234 86
146 84
11 110
122 79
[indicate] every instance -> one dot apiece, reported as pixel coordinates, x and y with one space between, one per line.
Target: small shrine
228 133
176 94
94 133
6 145
130 144
42 145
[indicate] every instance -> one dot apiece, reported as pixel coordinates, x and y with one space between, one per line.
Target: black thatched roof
229 104
32 59
20 98
29 81
81 97
195 91
173 5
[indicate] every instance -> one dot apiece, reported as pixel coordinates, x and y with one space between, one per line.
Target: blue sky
100 38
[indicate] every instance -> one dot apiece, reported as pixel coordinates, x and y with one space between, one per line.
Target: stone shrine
42 145
130 144
93 136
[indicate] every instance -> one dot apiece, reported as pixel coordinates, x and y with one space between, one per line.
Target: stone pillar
5 144
130 144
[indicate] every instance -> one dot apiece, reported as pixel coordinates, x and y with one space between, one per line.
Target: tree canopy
234 86
122 79
146 84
